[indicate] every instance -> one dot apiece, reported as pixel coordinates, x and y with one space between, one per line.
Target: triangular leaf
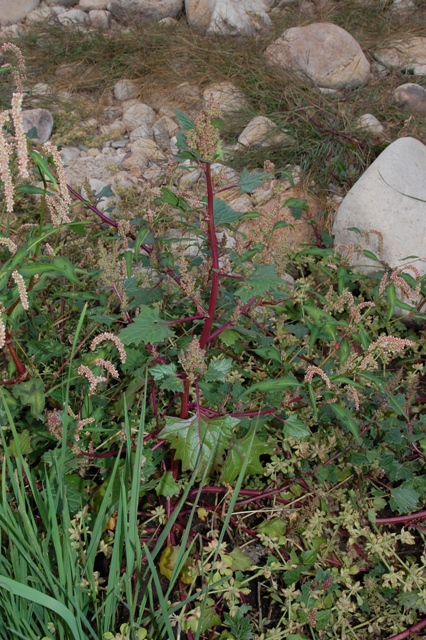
199 441
262 280
248 448
223 213
184 121
346 419
147 327
404 498
273 385
295 428
250 181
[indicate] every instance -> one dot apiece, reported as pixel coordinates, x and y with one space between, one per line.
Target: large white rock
230 97
261 131
138 114
228 17
390 198
324 52
12 12
403 55
146 9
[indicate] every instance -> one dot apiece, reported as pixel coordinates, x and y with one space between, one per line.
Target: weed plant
192 448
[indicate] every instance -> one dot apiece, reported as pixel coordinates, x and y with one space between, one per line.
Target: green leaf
31 392
23 445
248 182
391 297
229 337
345 417
161 371
167 485
372 256
404 498
248 448
184 121
297 206
269 353
199 441
397 403
262 280
223 213
240 562
218 370
295 428
147 327
308 557
273 385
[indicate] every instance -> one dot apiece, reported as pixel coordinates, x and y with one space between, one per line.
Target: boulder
145 9
389 198
73 16
228 17
412 97
261 131
125 89
13 12
403 55
138 114
41 121
100 18
325 53
230 97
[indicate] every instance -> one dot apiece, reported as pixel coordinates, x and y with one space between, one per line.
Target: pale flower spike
21 289
20 63
94 380
20 137
5 175
62 182
7 242
108 366
110 336
2 334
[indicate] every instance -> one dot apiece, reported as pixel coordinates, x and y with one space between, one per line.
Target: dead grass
325 141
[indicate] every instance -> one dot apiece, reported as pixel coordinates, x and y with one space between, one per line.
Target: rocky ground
303 46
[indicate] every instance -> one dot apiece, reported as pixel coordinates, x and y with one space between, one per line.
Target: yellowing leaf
202 513
168 560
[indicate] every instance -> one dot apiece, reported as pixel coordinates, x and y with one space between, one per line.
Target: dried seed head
19 280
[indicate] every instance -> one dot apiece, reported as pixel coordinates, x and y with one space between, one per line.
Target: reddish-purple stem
214 291
230 322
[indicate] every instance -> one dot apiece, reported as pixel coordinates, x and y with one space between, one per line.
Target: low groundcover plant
191 446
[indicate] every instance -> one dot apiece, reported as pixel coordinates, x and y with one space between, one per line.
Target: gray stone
141 152
390 197
161 136
101 167
144 131
68 154
59 3
403 55
90 5
323 52
39 15
261 131
368 122
412 97
222 17
73 16
138 114
125 89
119 144
100 19
41 120
12 12
146 9
230 97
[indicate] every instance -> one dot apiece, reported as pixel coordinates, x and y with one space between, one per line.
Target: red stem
20 368
215 259
420 515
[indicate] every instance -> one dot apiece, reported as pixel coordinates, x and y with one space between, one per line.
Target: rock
169 124
400 6
368 122
141 152
403 55
13 12
230 98
168 22
137 114
161 136
112 113
144 131
92 5
101 167
125 89
60 3
412 97
11 32
380 200
73 16
260 131
226 18
40 14
116 127
68 154
145 9
325 53
100 19
39 119
418 70
42 89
